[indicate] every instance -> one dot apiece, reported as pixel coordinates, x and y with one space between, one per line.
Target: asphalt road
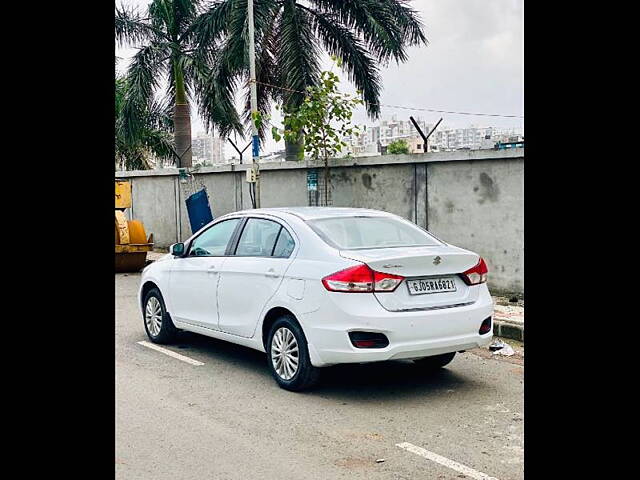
227 419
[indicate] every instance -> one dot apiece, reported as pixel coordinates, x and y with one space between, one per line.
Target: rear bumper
413 334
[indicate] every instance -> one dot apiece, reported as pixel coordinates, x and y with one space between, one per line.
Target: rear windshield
348 233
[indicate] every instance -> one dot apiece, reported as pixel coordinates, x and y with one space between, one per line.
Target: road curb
506 329
508 321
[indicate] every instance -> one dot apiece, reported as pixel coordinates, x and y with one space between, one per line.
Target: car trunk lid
426 269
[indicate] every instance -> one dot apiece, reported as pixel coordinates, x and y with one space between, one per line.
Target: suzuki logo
437 260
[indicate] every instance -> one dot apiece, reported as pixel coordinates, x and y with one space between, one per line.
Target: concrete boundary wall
473 199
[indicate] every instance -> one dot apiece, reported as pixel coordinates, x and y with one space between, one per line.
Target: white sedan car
319 286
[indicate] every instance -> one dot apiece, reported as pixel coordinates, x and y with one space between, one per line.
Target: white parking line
170 353
458 467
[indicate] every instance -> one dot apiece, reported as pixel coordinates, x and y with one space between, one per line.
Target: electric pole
254 105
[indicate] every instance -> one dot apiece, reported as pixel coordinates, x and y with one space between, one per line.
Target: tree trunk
181 121
327 177
294 151
326 182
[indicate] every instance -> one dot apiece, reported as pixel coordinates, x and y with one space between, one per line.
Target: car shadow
394 379
232 353
366 382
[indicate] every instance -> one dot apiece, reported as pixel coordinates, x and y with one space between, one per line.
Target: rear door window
258 238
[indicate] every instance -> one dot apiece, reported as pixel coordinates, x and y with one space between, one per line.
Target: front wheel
157 322
288 356
436 361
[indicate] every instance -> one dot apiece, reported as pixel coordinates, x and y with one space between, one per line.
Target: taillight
361 279
385 282
477 274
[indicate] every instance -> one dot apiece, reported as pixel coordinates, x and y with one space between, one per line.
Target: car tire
436 361
281 358
157 322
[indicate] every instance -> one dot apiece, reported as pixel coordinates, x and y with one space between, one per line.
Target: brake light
477 274
361 279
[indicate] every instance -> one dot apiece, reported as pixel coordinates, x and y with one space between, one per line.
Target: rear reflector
361 279
368 339
476 275
364 343
485 327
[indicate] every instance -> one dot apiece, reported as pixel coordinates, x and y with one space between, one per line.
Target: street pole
254 103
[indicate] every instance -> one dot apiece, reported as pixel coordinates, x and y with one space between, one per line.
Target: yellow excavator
132 243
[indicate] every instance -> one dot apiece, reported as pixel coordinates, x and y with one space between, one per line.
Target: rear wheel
157 322
288 355
436 361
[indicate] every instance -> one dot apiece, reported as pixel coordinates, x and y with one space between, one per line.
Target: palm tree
142 133
167 35
290 38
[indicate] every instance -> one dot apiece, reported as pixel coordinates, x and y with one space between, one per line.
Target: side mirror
177 249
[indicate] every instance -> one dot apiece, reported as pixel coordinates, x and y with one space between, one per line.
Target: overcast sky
474 63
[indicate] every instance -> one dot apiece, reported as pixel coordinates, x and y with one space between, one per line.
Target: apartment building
207 150
373 140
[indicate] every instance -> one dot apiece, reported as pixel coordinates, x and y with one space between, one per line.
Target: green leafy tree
398 146
323 120
291 37
143 132
169 49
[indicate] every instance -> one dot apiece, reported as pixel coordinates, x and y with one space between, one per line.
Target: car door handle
271 273
212 269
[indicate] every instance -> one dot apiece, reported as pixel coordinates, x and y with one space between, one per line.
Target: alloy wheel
284 353
153 316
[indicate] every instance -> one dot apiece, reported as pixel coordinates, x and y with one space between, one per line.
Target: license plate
421 286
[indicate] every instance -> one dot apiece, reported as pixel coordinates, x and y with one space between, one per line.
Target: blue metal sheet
199 210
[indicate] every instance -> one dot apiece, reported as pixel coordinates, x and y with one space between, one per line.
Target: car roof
311 213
